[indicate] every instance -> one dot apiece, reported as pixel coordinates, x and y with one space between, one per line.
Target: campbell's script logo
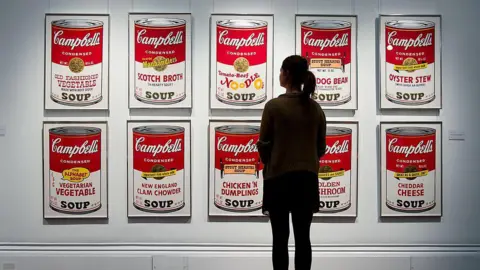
170 39
251 41
335 41
420 41
168 147
337 148
84 149
249 147
420 148
87 41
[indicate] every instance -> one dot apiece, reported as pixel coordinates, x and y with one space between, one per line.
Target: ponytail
297 74
309 84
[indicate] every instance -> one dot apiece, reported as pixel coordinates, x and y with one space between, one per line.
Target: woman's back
295 128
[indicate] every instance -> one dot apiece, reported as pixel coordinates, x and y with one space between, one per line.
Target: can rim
79 23
75 130
410 24
326 24
158 129
333 130
410 131
149 22
242 23
238 129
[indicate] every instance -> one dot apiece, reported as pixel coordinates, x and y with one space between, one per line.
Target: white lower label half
246 88
411 195
160 87
80 89
75 197
333 85
335 194
411 88
238 192
164 195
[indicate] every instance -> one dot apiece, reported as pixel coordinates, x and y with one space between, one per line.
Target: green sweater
292 135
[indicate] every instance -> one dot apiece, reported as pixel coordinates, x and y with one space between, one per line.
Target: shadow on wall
68 115
239 219
166 220
147 112
235 113
75 221
334 219
338 113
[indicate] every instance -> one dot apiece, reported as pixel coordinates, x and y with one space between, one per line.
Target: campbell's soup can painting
410 173
77 61
410 61
327 45
160 55
335 176
238 181
241 66
75 169
159 168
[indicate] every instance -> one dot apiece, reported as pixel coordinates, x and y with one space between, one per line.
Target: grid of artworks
159 157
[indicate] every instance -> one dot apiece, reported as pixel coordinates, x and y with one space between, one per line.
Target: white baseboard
232 248
143 256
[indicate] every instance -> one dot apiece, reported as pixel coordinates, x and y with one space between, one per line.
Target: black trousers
295 193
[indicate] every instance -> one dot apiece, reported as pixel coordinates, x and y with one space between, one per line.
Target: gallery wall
21 116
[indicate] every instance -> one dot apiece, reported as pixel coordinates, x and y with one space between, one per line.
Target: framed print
329 43
160 60
75 169
411 169
236 178
338 175
410 62
241 61
76 62
159 168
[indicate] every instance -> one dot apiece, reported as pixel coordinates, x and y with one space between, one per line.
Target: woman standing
291 143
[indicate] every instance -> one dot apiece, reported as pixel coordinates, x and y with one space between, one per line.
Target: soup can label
75 169
410 159
160 54
327 45
238 169
241 62
335 174
77 62
158 168
410 62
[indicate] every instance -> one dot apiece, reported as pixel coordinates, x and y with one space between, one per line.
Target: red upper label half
418 44
70 152
165 150
151 42
326 43
248 43
417 149
236 149
338 154
86 44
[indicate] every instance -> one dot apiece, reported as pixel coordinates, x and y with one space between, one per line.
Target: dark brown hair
296 68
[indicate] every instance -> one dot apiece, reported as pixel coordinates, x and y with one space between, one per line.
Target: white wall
21 111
